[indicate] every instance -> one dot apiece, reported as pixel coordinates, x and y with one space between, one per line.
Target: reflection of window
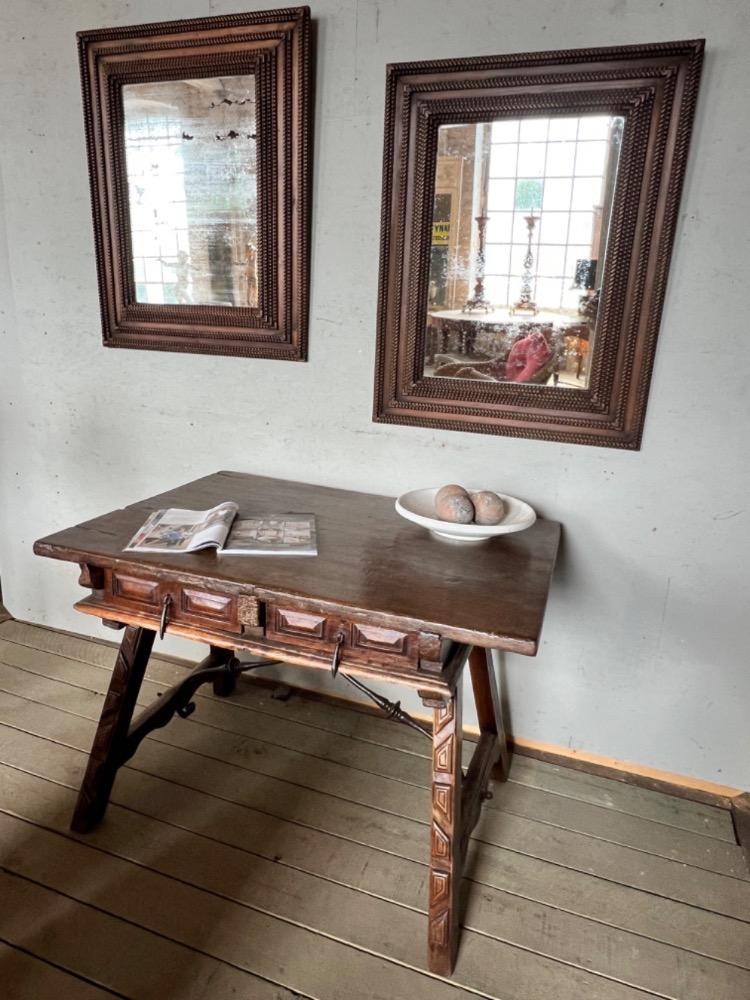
528 197
158 211
557 169
190 149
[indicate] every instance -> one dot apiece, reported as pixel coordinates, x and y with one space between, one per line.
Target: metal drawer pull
340 637
167 603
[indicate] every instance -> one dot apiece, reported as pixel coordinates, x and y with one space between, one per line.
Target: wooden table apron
382 598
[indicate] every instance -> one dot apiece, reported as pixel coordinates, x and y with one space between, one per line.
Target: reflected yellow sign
441 232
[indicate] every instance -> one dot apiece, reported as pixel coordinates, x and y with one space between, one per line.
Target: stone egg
452 489
455 507
488 507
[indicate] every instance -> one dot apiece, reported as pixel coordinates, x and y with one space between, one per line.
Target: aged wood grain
325 730
25 977
112 731
446 847
339 777
317 724
334 910
224 868
654 87
127 959
360 919
370 562
346 719
275 47
180 910
489 708
294 803
367 597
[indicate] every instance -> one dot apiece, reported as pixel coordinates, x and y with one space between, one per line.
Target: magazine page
174 530
273 535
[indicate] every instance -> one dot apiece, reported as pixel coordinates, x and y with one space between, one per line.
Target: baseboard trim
680 785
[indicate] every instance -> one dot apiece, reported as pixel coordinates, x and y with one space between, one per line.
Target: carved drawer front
209 607
362 642
299 624
379 640
139 589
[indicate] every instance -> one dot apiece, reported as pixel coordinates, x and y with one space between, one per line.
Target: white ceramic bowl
419 506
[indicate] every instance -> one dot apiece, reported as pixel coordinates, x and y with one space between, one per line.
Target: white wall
644 652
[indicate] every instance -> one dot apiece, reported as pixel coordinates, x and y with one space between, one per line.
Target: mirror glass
191 160
519 239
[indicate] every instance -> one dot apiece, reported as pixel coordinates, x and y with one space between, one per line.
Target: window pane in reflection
190 153
520 224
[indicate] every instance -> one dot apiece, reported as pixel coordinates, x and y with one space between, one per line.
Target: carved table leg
111 733
446 854
489 709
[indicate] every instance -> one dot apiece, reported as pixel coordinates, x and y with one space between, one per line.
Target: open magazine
174 530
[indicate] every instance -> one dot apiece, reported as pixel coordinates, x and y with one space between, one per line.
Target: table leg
489 707
446 848
112 731
223 686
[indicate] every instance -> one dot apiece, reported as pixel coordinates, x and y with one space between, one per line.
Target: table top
370 560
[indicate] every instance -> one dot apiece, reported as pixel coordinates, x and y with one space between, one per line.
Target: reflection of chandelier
525 302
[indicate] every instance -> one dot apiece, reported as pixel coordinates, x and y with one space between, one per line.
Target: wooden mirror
529 208
198 137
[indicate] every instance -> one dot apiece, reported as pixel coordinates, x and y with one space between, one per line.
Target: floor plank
286 799
119 955
282 952
25 977
299 828
363 727
501 910
621 797
383 737
275 887
399 796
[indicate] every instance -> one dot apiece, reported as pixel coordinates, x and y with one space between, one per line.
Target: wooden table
506 327
382 600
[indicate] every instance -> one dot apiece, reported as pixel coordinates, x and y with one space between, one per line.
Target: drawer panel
287 621
204 602
362 642
135 588
208 608
383 640
188 605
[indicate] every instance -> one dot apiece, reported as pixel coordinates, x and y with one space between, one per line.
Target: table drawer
196 605
283 623
134 589
361 641
188 605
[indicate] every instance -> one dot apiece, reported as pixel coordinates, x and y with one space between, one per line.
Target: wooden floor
266 850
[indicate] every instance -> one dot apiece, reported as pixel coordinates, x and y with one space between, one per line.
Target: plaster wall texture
644 653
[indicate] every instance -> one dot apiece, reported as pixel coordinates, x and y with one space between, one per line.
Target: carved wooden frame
275 47
655 88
